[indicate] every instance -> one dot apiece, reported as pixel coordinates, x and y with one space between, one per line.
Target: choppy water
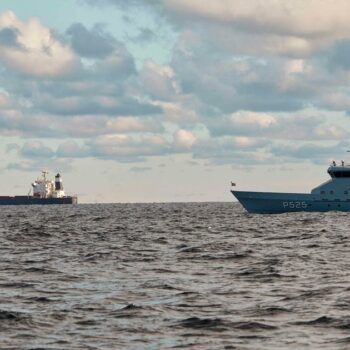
172 276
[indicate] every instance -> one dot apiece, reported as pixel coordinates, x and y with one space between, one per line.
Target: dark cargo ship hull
30 200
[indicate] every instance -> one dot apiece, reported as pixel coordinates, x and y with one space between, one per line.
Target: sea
172 276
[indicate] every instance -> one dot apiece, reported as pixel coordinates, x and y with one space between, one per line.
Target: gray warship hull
276 203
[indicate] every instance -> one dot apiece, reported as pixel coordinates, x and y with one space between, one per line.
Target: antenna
44 172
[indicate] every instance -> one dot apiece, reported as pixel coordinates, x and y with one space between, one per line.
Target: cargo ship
333 194
44 192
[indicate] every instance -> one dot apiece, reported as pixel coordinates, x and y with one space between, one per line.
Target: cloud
36 165
336 100
132 124
118 66
233 85
38 152
31 48
242 80
118 147
245 120
233 150
8 38
93 43
122 3
181 112
239 55
184 139
339 56
22 166
36 149
6 102
70 149
98 105
12 147
158 81
125 148
309 151
85 127
278 26
295 127
145 35
130 148
295 28
17 124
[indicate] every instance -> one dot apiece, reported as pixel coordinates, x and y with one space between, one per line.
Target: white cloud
70 149
177 113
248 119
184 139
221 89
337 100
330 132
131 124
294 66
38 52
275 16
292 26
243 142
301 126
125 147
233 150
158 81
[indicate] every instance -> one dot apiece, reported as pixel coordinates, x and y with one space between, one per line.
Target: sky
171 100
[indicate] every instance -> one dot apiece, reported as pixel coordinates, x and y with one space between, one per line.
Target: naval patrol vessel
333 194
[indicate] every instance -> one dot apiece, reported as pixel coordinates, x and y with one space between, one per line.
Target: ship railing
339 165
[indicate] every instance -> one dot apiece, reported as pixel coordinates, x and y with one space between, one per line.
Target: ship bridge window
338 174
323 192
331 192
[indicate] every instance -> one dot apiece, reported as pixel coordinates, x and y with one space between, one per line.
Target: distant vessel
44 192
334 194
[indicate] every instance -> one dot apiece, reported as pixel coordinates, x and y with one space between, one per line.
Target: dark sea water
173 276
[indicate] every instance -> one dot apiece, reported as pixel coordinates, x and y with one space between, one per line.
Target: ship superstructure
44 188
333 194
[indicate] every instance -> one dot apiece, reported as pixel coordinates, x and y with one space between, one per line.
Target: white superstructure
44 188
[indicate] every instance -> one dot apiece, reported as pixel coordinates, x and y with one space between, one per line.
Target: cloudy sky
170 100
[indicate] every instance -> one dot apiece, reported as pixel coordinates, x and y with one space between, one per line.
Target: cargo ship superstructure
333 194
45 191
